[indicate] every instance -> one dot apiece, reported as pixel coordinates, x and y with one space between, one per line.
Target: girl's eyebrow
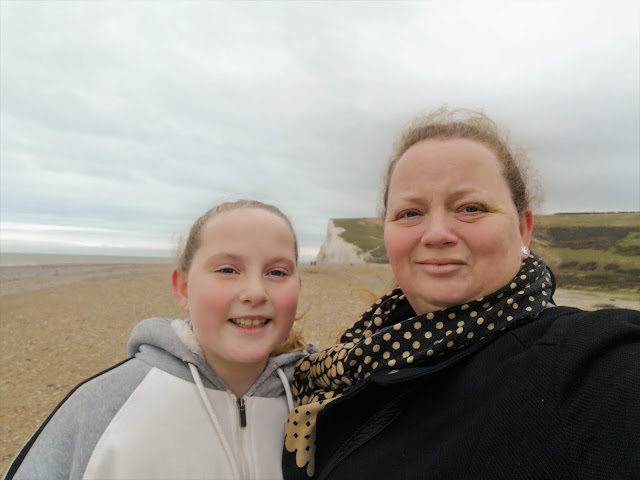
286 260
223 256
217 257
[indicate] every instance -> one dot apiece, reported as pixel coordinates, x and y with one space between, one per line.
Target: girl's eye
227 270
278 273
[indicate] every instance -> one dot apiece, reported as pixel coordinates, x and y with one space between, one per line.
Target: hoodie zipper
242 439
242 412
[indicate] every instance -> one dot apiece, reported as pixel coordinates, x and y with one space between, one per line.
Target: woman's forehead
455 160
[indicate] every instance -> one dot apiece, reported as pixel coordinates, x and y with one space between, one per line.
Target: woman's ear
526 228
179 283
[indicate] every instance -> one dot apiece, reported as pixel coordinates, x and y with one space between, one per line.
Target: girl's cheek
292 301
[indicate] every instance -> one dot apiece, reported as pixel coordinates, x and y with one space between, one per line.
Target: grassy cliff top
573 220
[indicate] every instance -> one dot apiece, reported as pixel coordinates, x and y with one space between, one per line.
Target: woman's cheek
398 243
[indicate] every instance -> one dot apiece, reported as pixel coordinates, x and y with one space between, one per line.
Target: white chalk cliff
336 250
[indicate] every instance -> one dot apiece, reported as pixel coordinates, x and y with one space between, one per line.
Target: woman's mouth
249 322
441 266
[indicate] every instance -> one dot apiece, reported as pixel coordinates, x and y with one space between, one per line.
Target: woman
467 370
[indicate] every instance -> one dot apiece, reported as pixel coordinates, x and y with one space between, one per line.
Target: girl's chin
254 358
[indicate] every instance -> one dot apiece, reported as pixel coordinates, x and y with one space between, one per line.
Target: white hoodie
163 414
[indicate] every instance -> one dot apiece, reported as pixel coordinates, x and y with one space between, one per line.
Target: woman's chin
441 300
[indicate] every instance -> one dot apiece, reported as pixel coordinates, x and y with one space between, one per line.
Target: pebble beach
60 324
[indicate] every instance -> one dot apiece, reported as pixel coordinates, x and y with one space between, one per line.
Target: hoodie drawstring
203 395
287 388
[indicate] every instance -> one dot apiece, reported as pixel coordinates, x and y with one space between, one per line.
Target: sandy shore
62 324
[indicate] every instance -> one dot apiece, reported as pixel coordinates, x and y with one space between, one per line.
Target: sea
10 259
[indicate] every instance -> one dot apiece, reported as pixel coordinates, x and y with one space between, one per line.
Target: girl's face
452 231
242 288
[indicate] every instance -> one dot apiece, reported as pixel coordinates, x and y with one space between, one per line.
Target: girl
201 398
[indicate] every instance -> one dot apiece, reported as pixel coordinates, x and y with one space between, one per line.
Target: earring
525 250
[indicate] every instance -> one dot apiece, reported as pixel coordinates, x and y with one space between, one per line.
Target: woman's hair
445 124
294 341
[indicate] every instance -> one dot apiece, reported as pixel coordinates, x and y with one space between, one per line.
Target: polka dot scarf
390 336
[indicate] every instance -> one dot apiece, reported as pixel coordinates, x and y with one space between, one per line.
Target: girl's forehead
242 216
247 223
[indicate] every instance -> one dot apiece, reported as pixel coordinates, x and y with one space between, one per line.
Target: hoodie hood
170 345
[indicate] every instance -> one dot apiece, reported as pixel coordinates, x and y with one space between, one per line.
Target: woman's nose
438 231
253 291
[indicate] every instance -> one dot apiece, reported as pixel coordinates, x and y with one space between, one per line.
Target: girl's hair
445 124
191 245
294 341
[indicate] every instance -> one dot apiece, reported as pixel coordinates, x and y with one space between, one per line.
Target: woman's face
452 231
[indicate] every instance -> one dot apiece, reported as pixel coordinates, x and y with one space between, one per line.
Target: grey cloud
140 116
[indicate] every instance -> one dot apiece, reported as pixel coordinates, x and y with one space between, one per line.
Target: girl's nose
438 230
253 291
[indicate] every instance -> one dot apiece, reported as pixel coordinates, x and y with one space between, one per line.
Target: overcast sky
121 122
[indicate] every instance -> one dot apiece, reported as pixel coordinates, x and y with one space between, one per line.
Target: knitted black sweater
557 398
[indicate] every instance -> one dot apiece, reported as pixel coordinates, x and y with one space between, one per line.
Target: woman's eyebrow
425 195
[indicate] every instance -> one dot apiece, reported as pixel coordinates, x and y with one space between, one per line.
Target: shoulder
614 316
592 359
112 385
577 344
602 331
568 326
597 338
588 360
67 437
311 348
278 373
595 370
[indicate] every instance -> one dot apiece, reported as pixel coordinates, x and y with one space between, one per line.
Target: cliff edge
336 250
353 240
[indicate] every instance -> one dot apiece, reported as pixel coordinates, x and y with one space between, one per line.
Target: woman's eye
409 214
472 209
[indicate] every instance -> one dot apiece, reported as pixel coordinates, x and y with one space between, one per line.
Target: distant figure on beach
467 370
201 398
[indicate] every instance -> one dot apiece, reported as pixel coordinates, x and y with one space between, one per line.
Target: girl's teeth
249 322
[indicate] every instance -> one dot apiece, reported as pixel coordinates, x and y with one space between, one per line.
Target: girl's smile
242 288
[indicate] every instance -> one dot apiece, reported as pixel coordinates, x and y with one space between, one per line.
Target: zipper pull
243 412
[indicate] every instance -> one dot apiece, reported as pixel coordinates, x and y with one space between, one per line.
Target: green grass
366 234
557 255
574 220
629 245
596 238
589 268
631 240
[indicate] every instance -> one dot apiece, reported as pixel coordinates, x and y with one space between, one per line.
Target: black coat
557 398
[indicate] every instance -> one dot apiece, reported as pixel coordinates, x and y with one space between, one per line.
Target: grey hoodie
163 413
